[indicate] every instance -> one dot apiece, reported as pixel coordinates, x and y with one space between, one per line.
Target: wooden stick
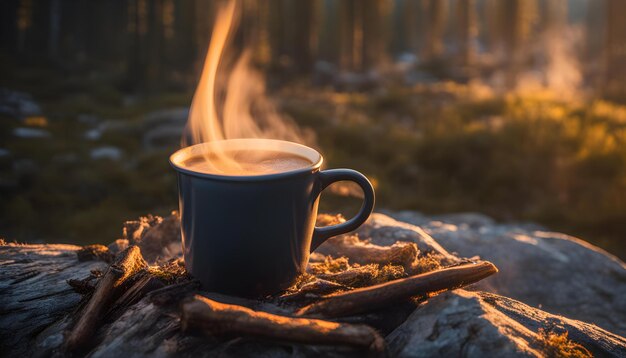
356 276
127 263
313 290
373 297
215 318
95 252
361 252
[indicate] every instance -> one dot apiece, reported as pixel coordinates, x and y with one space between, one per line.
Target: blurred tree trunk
329 42
278 48
595 29
412 18
24 22
374 32
347 62
467 30
555 15
492 24
8 25
293 33
358 9
84 31
154 75
55 24
362 33
145 25
255 30
263 48
304 39
137 28
202 13
556 46
175 23
615 51
516 21
110 21
437 11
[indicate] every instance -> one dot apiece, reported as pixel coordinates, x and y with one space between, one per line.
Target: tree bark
392 292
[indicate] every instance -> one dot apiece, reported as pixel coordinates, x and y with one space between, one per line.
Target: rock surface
385 231
478 324
33 288
553 271
38 301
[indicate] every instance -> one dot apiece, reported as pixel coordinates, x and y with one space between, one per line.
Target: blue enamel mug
252 235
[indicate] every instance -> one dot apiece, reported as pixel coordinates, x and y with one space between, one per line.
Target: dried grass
172 272
427 262
557 345
354 275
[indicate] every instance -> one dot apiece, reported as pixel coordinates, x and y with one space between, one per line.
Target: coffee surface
246 162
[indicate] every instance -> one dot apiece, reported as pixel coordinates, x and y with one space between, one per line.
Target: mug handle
327 177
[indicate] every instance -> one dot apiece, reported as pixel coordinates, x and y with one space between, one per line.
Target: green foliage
68 196
436 148
518 156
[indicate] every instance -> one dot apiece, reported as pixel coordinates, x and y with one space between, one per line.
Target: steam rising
556 69
560 71
233 107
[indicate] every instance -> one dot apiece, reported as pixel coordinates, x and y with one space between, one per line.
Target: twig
95 252
215 318
126 264
368 275
373 297
362 252
313 290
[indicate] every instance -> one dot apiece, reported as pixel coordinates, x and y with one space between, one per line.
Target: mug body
248 235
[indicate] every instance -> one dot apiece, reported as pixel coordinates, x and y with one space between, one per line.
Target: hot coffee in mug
249 162
248 209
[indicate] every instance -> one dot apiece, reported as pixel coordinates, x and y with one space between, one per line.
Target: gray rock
595 339
114 126
162 137
163 129
326 73
89 119
109 126
167 115
383 230
459 324
474 220
556 272
25 167
18 104
355 81
30 133
106 152
410 217
406 61
93 134
65 158
475 324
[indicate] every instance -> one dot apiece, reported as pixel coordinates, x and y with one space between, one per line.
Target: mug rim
186 152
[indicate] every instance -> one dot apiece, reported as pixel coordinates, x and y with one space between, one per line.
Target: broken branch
373 297
126 264
215 318
362 252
